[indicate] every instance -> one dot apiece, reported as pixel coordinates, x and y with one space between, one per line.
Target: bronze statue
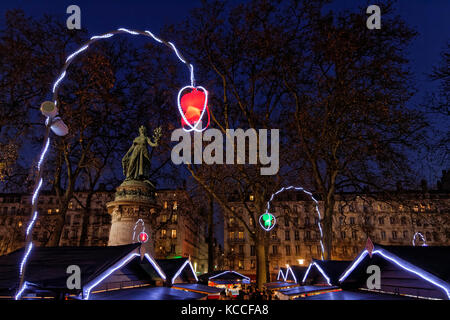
136 163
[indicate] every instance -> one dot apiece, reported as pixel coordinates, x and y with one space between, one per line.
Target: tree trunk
328 230
85 223
211 246
56 234
261 272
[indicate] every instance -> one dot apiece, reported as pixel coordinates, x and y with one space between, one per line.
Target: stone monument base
133 200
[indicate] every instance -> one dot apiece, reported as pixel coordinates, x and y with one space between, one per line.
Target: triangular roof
430 264
229 275
329 270
47 266
173 268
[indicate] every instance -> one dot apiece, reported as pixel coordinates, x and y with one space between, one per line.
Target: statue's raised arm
156 137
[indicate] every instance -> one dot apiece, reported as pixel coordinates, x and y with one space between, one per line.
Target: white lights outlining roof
401 264
177 274
282 275
156 266
230 271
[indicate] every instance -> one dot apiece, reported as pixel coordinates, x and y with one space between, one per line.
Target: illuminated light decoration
77 52
306 273
105 36
59 128
422 237
353 266
228 271
143 237
154 37
108 272
43 153
36 192
30 225
19 294
156 266
282 275
30 246
177 274
55 85
189 107
316 206
320 270
292 272
267 221
140 221
404 266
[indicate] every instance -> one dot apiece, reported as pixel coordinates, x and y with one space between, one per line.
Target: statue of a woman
136 163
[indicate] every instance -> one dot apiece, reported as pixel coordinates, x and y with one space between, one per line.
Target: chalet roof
47 266
332 268
172 266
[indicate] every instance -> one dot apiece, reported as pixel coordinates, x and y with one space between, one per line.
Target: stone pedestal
133 200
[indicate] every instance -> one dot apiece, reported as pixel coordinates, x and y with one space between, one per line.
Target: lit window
301 261
241 235
174 233
20 224
163 233
231 235
165 204
49 211
163 218
252 197
175 205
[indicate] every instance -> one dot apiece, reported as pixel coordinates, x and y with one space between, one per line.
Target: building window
288 250
286 222
231 235
341 220
174 233
394 235
296 235
241 264
381 221
49 211
392 220
252 197
352 220
163 218
308 235
354 235
241 235
172 248
405 234
403 221
306 221
165 204
287 235
274 249
253 264
252 250
342 234
163 233
175 205
241 249
174 218
383 235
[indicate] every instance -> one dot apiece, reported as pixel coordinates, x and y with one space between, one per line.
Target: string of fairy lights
267 220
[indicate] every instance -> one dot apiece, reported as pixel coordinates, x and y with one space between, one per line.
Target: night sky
428 17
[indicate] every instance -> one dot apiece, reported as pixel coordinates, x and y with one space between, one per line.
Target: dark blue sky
428 17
